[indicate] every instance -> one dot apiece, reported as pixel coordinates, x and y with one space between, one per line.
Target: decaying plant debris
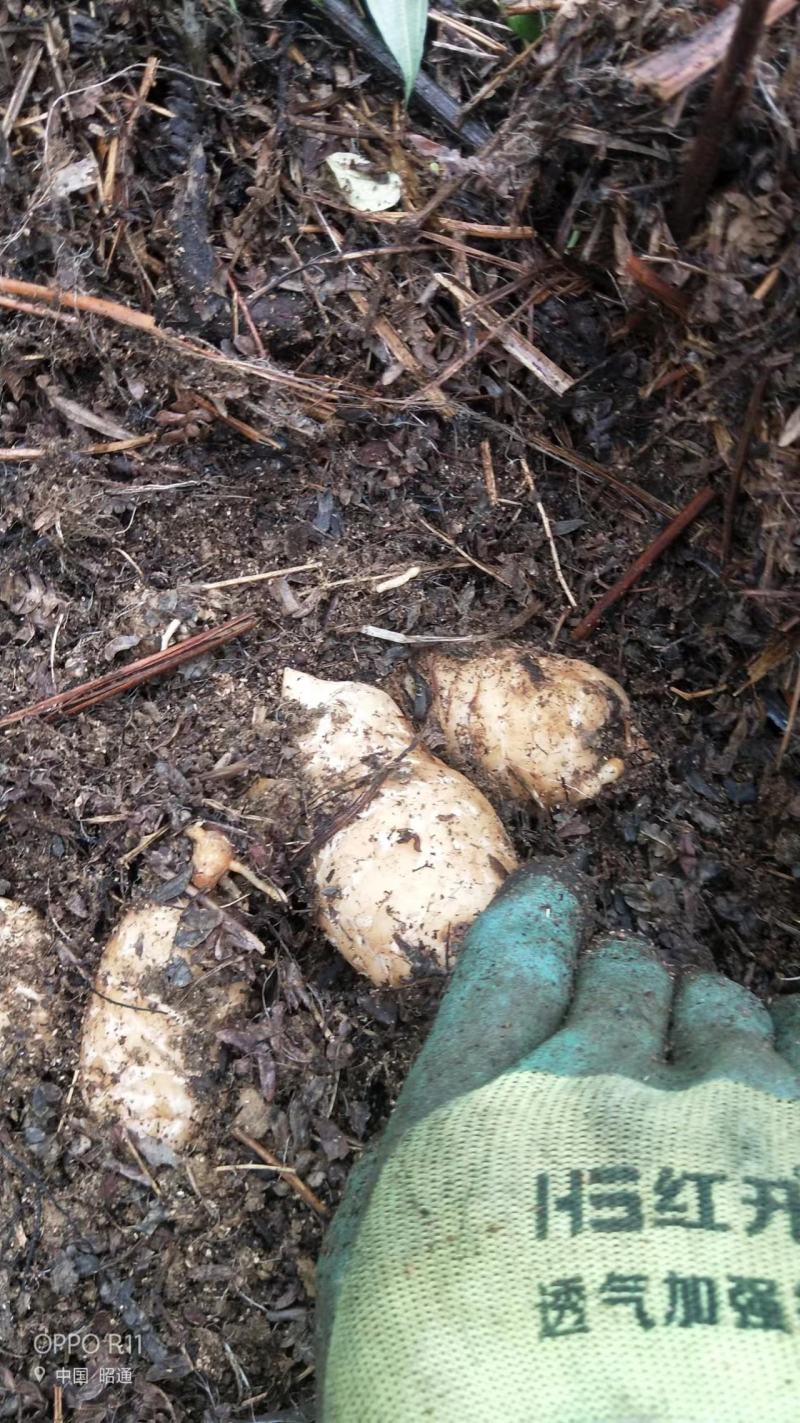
217 370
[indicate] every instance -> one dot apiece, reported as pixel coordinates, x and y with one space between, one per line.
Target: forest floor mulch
228 394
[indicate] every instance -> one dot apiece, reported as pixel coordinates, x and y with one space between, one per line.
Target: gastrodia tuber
533 725
407 851
29 976
149 1034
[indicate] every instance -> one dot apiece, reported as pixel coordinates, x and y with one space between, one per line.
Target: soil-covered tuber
28 979
405 851
149 1031
532 725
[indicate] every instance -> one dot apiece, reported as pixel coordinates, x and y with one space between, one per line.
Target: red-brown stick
704 158
101 689
79 301
645 560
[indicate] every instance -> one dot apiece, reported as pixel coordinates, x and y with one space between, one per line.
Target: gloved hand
586 1206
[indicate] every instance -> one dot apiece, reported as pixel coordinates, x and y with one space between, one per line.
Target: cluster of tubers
408 850
405 852
412 850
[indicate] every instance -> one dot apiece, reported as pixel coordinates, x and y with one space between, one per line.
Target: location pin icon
38 1373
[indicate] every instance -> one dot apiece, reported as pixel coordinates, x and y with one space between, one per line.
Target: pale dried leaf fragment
361 189
790 431
75 177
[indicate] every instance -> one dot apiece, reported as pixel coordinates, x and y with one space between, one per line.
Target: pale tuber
213 857
407 851
149 1030
533 725
28 980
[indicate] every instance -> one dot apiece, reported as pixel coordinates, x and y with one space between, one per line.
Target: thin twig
256 577
258 437
512 341
645 560
598 472
286 1172
31 309
428 639
737 468
145 85
489 231
500 76
78 301
472 349
729 85
122 679
317 390
476 563
488 471
398 348
791 719
141 1163
385 581
109 447
529 480
241 305
53 642
28 69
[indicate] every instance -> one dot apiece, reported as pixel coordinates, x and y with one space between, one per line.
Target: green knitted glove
586 1206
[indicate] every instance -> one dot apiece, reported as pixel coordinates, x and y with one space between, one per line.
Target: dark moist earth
213 194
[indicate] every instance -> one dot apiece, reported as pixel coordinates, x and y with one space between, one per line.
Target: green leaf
528 27
402 28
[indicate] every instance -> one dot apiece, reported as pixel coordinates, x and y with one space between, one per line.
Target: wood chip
673 69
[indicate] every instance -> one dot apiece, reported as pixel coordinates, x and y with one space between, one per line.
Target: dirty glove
586 1206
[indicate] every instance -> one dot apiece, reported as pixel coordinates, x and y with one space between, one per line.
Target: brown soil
211 1271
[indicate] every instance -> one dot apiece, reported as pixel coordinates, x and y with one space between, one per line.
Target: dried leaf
197 922
75 177
791 430
120 644
79 415
362 191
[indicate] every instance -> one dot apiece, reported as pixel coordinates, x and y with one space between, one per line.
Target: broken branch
645 560
78 301
703 162
113 684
